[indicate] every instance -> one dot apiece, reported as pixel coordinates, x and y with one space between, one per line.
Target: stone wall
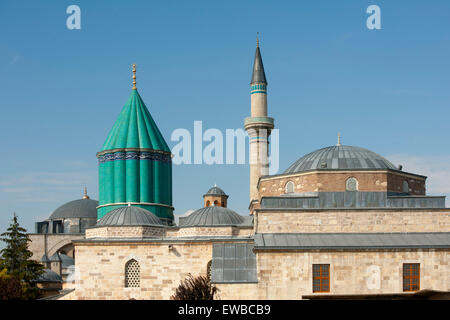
312 221
55 242
334 181
142 231
281 275
288 275
124 231
213 231
101 269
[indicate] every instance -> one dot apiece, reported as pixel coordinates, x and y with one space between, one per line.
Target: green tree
198 288
16 259
10 287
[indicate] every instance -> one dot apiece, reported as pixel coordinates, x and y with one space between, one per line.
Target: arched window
216 202
208 270
132 274
405 186
289 188
208 203
351 184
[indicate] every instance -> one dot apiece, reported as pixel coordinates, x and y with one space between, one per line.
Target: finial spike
257 39
134 77
339 139
85 196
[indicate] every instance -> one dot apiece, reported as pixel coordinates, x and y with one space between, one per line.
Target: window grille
132 274
289 187
321 278
208 270
411 276
351 184
405 187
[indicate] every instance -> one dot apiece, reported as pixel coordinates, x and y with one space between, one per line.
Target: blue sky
61 90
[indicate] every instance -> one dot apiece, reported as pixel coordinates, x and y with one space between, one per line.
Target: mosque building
340 222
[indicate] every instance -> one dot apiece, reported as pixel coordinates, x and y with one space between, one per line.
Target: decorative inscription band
135 155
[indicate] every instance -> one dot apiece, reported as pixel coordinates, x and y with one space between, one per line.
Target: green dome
135 128
135 164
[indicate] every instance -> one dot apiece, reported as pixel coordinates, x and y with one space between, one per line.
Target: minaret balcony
265 122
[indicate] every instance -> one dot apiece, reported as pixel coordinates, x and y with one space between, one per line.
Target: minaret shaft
258 127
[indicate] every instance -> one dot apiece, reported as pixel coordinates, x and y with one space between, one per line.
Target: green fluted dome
135 128
135 164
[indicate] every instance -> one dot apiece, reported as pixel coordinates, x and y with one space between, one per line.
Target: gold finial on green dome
85 196
134 77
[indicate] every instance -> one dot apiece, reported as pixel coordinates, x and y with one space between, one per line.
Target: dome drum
340 169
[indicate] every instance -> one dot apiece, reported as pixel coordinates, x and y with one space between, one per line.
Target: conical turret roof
258 75
135 128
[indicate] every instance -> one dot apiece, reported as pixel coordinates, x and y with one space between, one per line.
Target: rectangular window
321 278
411 276
233 263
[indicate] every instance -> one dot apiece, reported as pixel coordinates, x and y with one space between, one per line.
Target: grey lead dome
130 216
215 191
340 157
82 208
212 216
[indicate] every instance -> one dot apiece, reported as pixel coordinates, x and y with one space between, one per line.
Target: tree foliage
198 288
10 287
16 259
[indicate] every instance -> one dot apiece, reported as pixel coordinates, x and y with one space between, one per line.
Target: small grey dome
81 208
215 191
213 216
340 157
130 216
49 276
55 257
66 261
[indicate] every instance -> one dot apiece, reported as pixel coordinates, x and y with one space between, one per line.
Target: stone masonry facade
318 181
335 221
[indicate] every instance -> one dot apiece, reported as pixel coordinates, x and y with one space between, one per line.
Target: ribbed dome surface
82 208
340 157
215 191
135 128
129 216
49 276
212 216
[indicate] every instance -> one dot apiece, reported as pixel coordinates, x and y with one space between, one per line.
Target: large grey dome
130 216
211 217
338 158
82 208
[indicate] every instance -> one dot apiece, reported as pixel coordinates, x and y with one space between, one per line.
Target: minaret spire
258 76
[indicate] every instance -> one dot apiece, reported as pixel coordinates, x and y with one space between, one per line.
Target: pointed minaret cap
85 196
258 76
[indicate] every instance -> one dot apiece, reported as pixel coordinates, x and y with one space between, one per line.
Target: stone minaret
258 126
